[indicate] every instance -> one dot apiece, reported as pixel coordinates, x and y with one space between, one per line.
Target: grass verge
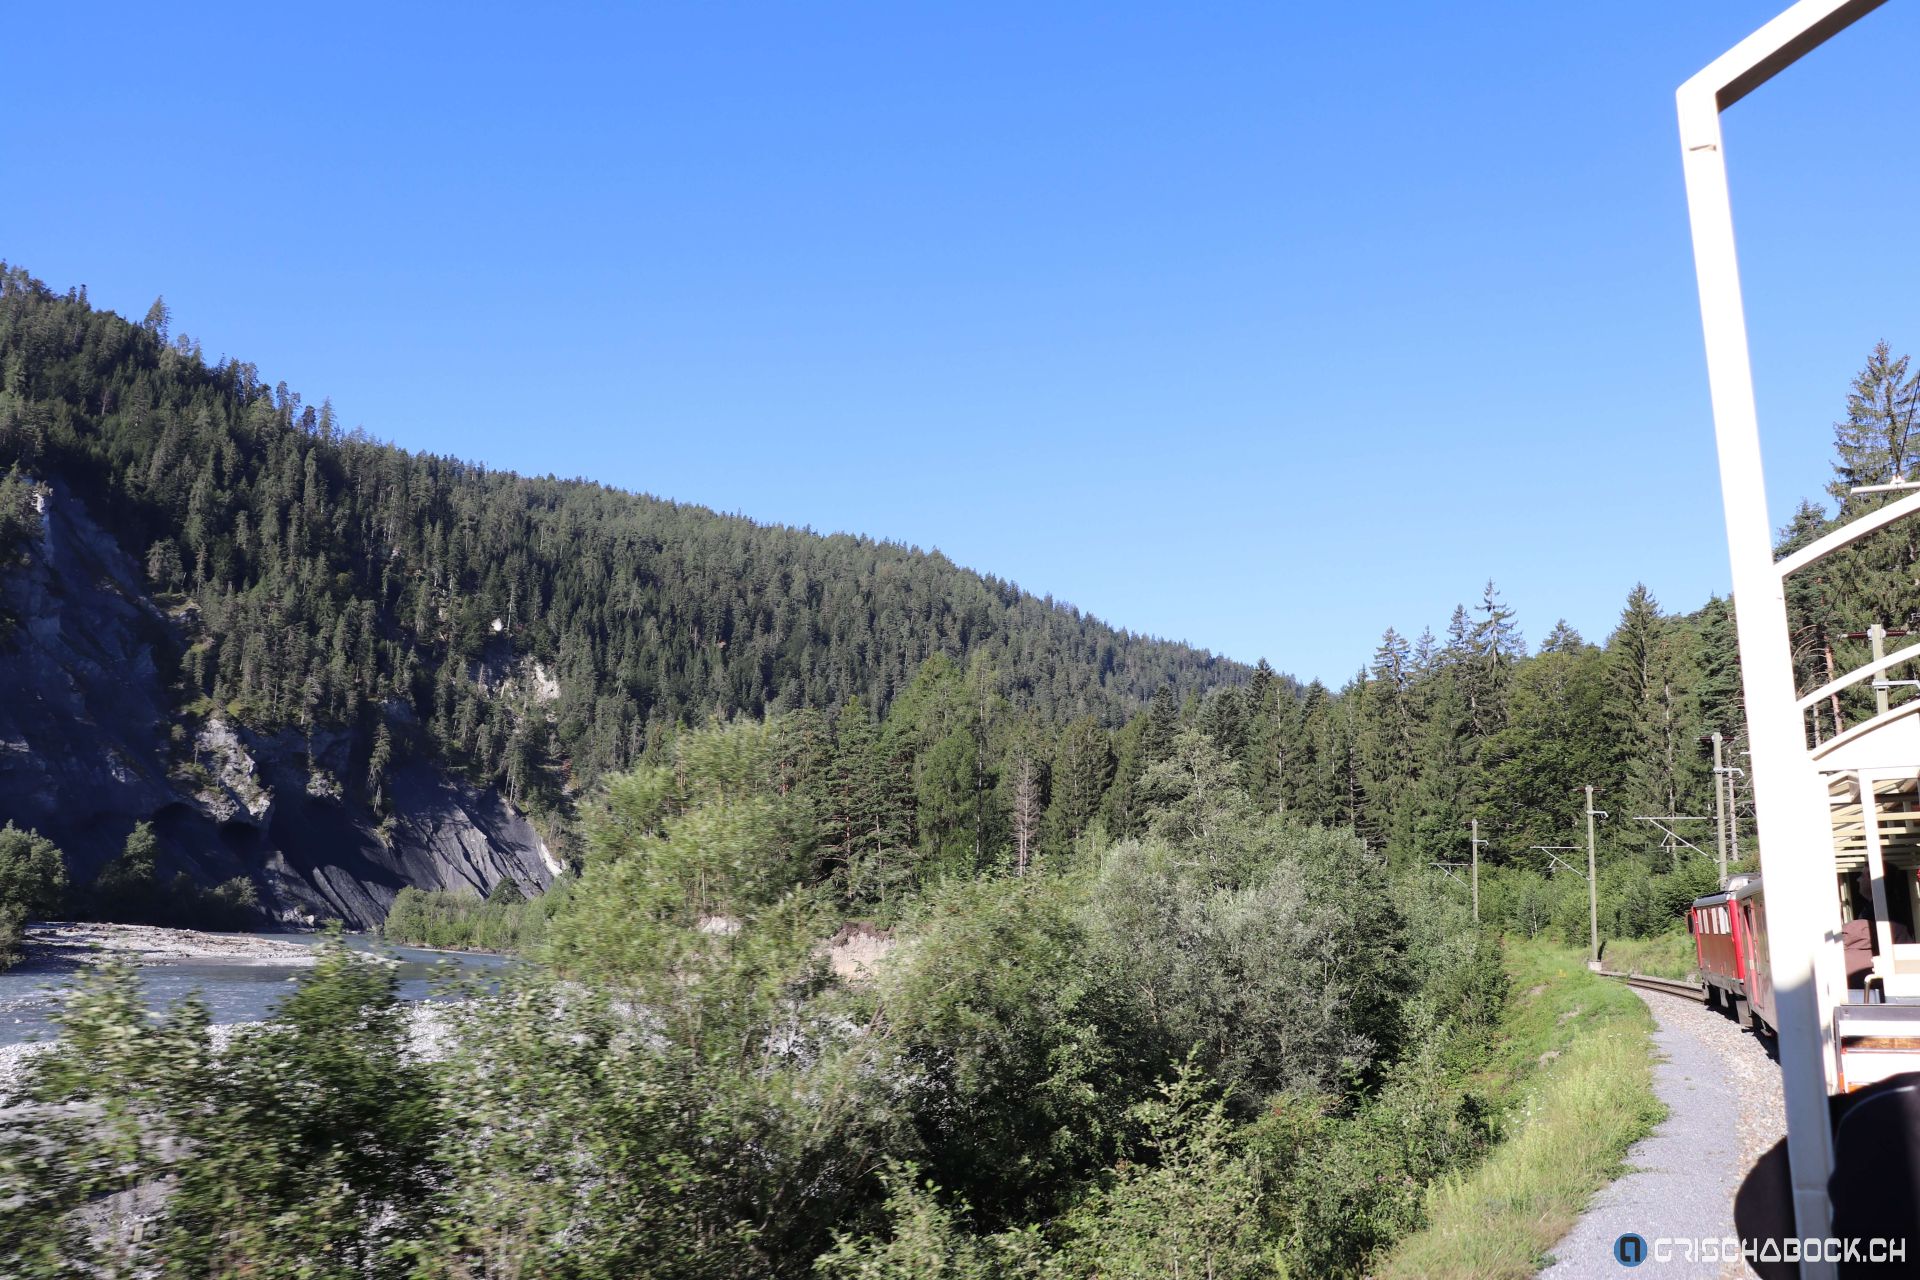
1578 1067
1669 955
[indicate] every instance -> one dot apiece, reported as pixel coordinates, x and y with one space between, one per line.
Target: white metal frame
1802 908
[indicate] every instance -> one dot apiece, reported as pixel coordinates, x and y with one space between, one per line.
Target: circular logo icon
1630 1250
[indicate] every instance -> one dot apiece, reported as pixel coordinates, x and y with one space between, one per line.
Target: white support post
1802 905
1876 865
1792 805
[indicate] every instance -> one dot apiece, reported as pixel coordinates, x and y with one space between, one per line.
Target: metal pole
1473 840
1878 635
1593 890
1720 803
1733 815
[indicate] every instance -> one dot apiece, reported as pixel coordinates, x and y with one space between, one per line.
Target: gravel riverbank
56 947
56 950
429 1032
1722 1091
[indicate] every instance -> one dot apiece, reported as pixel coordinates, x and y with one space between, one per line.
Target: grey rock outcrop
233 792
87 749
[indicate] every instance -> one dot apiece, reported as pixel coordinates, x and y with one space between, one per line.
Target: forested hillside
362 606
1433 734
354 608
331 573
917 927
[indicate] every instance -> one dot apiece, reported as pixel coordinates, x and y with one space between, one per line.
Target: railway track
1687 990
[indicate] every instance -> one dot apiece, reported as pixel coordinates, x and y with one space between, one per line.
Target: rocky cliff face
90 743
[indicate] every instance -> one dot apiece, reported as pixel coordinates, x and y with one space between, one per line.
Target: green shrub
1577 1062
1288 978
506 920
129 890
1021 1083
302 1148
13 933
1192 1207
33 876
926 1238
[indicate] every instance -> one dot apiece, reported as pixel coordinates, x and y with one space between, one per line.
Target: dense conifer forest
537 631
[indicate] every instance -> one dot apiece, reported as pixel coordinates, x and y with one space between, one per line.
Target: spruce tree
1442 798
1305 756
872 807
1082 770
1492 645
1874 579
1653 713
1223 719
1261 767
1163 721
1562 639
1386 739
1873 444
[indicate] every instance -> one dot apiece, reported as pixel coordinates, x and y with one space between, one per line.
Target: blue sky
1250 325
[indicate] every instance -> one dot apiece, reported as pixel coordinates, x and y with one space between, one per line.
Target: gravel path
1682 1178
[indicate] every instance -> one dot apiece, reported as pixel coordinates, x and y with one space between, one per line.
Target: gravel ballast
1722 1092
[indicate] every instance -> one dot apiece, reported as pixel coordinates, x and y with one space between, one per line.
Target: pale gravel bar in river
57 946
56 949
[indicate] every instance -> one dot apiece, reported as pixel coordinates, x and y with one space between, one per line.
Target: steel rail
1667 986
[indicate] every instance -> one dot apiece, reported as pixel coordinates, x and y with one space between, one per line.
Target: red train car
1730 949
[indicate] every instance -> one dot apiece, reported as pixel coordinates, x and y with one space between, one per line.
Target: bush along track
1577 1062
1234 1046
1237 1046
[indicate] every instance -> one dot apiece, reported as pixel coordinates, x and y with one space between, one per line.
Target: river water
233 991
